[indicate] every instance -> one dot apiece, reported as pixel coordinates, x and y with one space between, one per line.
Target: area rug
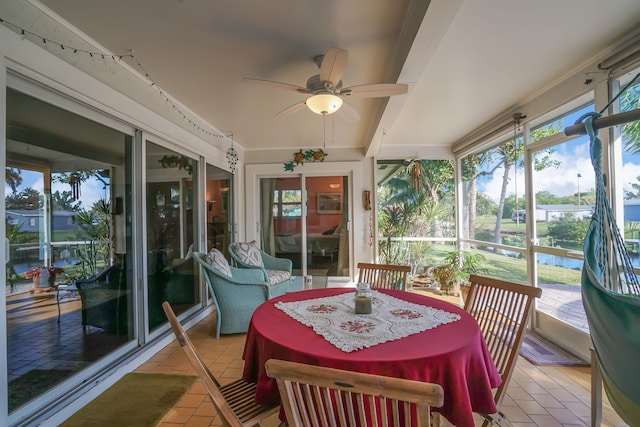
137 400
541 352
33 383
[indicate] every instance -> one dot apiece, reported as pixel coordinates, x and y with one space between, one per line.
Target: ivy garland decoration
299 157
180 162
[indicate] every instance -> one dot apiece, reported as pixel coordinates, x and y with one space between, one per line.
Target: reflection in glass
219 216
170 233
68 209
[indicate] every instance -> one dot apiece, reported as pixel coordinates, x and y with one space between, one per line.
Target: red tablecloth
452 355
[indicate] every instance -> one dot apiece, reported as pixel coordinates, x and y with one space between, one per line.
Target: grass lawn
488 224
512 269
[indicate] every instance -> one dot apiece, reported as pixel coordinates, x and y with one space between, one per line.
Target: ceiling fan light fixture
324 103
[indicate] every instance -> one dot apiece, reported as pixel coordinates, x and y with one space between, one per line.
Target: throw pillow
248 253
217 260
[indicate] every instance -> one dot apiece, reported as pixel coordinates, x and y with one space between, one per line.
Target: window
630 176
287 203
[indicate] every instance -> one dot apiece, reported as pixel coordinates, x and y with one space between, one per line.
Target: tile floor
537 396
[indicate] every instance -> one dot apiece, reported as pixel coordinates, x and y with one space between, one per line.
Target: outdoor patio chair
318 396
234 402
104 299
502 310
384 276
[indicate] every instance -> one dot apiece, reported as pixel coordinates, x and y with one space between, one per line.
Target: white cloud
630 174
574 159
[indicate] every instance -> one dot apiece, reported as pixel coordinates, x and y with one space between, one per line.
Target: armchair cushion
248 253
277 276
217 259
275 272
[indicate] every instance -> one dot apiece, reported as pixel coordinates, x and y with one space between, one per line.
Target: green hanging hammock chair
611 298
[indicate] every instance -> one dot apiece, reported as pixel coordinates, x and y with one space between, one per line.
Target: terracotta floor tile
179 415
538 396
530 407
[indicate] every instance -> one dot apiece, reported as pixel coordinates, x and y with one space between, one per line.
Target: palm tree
13 178
95 229
630 100
412 204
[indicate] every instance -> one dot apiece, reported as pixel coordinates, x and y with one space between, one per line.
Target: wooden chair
502 310
318 396
234 402
384 276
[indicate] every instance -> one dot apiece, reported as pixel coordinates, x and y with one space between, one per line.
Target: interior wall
316 223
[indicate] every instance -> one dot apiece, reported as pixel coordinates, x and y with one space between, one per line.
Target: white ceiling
466 61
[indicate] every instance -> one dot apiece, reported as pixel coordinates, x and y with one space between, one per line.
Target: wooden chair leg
435 419
596 391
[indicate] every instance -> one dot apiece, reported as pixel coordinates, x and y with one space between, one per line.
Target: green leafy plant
95 231
456 267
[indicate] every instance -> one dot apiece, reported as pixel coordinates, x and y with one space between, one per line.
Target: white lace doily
334 318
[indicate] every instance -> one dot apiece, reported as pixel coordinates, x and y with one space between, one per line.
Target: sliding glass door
68 209
326 227
171 221
306 220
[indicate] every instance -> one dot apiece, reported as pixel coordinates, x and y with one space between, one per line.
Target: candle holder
363 298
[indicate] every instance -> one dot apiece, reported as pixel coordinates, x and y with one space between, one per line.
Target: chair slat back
384 276
314 396
234 402
502 310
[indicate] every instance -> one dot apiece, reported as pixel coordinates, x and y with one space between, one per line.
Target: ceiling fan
326 88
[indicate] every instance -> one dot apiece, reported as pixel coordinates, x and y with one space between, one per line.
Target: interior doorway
305 219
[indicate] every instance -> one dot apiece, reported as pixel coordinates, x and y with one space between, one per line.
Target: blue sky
90 190
574 159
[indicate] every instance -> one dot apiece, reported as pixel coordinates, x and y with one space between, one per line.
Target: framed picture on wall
329 203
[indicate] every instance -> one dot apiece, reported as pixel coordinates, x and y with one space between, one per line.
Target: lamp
324 103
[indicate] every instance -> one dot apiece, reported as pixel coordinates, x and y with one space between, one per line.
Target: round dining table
453 355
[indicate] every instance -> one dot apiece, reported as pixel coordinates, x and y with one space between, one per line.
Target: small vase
36 281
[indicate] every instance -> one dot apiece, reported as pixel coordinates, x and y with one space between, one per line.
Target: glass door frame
42 92
145 138
255 172
574 340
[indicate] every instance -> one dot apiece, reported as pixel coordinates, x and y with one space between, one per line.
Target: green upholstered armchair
236 292
276 271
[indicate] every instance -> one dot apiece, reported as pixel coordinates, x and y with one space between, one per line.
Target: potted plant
48 274
455 269
53 272
34 274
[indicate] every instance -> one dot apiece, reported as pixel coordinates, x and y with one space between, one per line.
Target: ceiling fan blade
375 90
333 65
291 109
279 85
349 113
